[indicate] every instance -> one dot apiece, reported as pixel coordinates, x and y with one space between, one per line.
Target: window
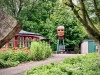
11 43
20 42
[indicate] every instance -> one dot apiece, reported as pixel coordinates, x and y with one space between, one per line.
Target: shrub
9 58
5 55
40 50
20 56
81 65
8 63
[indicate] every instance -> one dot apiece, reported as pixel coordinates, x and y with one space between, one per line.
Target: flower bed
14 56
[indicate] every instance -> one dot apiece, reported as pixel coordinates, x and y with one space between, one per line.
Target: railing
69 50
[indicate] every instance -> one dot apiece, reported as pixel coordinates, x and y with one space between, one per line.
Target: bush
81 65
9 58
18 56
8 63
40 50
5 55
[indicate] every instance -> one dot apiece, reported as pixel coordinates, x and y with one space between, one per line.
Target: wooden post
16 41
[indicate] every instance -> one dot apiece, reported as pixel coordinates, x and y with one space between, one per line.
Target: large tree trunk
99 52
9 27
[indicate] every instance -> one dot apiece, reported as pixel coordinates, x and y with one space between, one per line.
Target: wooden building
23 39
88 46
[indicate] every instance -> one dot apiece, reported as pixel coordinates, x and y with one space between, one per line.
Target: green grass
81 65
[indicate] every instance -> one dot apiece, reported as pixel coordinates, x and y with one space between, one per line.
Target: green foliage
40 50
91 12
76 48
4 59
74 32
14 7
5 56
33 16
18 56
9 58
44 16
87 65
7 63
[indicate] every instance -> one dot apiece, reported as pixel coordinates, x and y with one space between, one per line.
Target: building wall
84 47
21 41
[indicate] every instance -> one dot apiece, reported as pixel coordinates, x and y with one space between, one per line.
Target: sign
9 27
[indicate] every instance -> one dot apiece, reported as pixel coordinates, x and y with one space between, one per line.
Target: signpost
9 27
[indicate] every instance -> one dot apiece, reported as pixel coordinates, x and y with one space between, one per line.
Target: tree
14 7
74 33
44 19
39 11
82 12
44 16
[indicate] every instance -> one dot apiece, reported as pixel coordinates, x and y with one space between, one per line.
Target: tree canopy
88 13
44 16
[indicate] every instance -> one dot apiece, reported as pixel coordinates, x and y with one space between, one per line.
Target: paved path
23 67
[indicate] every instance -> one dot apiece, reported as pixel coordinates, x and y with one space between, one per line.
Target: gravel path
25 66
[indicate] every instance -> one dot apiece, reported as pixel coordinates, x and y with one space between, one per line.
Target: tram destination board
9 27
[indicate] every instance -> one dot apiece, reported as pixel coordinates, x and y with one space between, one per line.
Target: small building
88 46
23 39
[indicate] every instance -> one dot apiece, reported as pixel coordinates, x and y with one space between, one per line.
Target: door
92 46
